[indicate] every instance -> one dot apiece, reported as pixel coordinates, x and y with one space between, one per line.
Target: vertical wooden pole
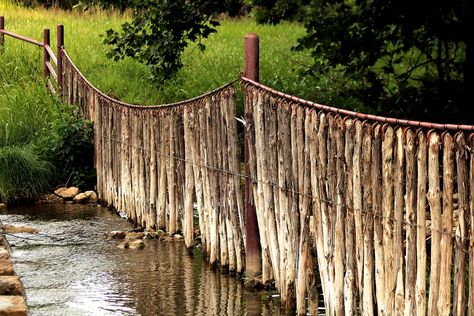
60 42
45 52
253 249
2 27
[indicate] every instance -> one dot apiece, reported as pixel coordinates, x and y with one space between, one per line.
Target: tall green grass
128 80
23 175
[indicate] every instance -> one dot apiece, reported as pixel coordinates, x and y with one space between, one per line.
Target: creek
71 268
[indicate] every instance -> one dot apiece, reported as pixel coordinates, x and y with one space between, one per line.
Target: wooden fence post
60 44
253 248
46 57
2 27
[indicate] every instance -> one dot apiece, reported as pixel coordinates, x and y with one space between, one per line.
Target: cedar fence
378 212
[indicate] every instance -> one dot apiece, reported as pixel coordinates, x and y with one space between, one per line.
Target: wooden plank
444 301
434 201
339 238
470 144
357 202
268 143
312 281
330 188
410 218
164 161
462 244
322 220
259 193
399 193
235 192
198 175
287 254
350 291
376 166
188 224
421 256
388 216
368 214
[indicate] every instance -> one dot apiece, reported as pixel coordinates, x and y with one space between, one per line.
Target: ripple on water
69 268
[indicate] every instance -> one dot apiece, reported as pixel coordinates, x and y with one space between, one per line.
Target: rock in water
134 235
136 244
91 195
123 245
81 198
11 229
69 193
117 234
59 190
3 207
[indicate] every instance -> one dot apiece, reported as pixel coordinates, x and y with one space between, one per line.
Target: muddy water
69 268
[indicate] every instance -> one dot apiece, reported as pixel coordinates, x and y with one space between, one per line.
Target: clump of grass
23 175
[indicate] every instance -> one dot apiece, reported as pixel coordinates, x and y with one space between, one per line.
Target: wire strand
372 212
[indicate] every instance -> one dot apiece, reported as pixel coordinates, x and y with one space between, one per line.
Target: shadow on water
69 268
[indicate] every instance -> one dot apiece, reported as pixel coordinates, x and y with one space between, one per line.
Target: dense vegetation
392 58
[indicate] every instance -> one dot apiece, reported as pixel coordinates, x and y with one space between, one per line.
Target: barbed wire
292 191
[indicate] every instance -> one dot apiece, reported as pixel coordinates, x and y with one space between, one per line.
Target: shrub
68 145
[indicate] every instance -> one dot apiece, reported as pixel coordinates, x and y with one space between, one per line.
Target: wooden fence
382 211
379 212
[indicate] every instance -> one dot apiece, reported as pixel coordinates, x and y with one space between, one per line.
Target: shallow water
69 268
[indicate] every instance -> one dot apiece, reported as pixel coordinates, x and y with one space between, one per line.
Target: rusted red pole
46 57
253 250
60 41
2 27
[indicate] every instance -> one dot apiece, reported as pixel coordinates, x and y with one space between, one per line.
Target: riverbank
12 293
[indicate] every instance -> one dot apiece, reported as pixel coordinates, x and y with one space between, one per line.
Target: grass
27 109
23 175
128 80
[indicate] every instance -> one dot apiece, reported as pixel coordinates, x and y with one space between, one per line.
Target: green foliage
23 175
398 58
160 32
274 11
68 144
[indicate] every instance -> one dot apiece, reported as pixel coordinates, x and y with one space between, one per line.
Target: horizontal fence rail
377 212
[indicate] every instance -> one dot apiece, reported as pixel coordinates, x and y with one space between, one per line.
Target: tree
160 31
398 57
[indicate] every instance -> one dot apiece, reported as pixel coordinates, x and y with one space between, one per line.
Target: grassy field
221 62
28 112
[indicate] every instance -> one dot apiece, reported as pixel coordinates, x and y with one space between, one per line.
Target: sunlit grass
128 80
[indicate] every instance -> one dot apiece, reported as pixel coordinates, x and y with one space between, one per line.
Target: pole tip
251 35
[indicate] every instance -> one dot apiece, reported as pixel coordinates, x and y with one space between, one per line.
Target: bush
23 174
68 145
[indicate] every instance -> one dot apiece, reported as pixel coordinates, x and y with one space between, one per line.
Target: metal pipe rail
22 38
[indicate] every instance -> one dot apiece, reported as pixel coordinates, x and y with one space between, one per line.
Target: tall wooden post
253 248
2 27
46 58
60 41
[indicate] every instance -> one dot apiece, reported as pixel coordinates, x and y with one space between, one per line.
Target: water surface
69 268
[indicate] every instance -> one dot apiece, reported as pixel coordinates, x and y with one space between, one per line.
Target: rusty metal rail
22 38
52 65
362 116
